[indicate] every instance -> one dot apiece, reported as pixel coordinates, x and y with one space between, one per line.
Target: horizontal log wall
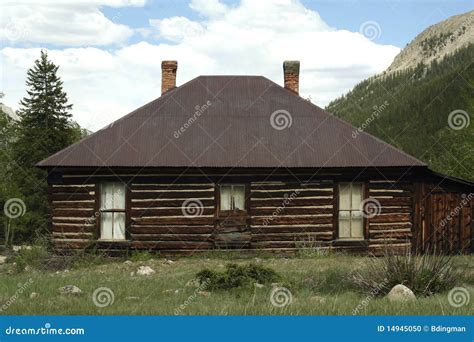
73 218
291 215
393 223
283 215
172 217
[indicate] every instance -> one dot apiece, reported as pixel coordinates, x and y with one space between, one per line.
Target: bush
141 256
35 256
424 274
89 257
332 280
311 248
237 276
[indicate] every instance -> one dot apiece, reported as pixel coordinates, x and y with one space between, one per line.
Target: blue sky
110 51
400 20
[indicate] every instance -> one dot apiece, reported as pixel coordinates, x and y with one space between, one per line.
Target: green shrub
138 256
84 259
330 281
424 274
237 276
311 248
35 256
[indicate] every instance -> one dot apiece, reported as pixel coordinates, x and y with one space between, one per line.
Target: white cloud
177 29
253 37
61 22
208 8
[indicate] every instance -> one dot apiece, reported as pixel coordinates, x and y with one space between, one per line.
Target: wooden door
447 223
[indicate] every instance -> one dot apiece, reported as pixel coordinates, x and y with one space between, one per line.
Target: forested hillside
411 109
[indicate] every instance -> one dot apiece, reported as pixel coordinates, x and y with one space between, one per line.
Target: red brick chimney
168 75
291 70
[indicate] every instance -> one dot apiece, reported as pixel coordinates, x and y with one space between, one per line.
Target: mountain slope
410 108
436 42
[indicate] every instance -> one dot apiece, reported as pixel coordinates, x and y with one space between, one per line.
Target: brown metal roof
234 131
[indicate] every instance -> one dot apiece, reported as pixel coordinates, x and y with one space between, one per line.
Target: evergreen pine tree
45 127
7 186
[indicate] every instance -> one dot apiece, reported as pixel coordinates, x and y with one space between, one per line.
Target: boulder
70 290
168 262
128 262
145 270
400 293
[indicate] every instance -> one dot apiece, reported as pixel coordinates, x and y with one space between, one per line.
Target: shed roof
230 121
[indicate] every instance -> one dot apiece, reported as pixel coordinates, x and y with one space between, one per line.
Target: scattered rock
318 299
66 271
27 268
19 248
400 293
128 262
204 293
259 286
132 298
3 259
168 262
70 290
34 295
145 270
175 291
193 283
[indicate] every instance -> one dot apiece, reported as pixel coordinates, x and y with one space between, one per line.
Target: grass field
319 286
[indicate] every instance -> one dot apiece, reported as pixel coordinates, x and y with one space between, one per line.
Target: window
351 221
232 197
112 211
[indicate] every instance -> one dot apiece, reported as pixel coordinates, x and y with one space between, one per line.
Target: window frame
125 211
337 210
244 211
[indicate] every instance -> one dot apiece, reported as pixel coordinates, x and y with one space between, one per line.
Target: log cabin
239 162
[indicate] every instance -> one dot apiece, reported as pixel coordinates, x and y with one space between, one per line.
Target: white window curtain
351 221
232 197
226 197
238 193
112 207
